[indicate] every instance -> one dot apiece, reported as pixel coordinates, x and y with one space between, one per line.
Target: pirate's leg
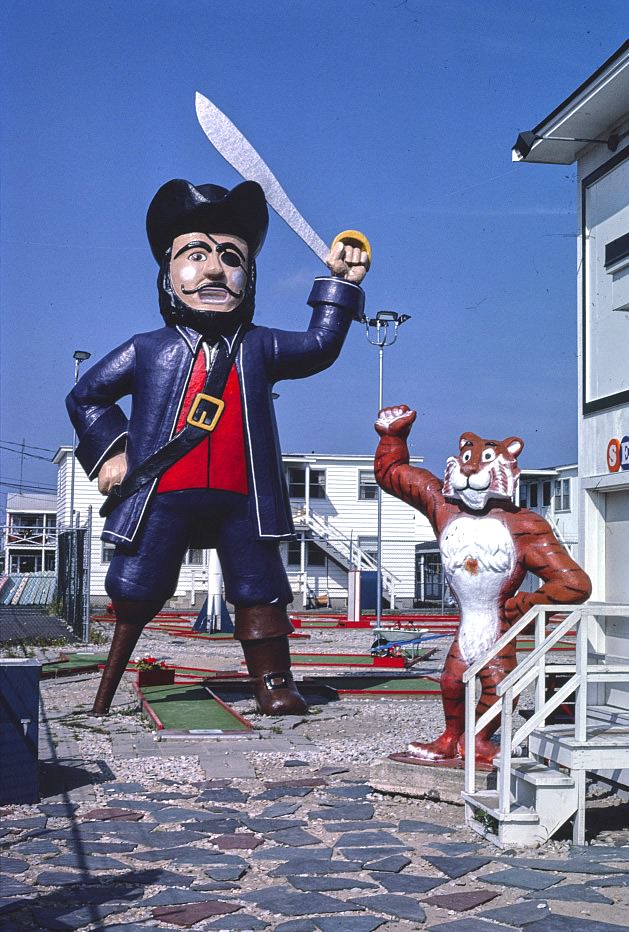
256 583
446 746
263 632
139 582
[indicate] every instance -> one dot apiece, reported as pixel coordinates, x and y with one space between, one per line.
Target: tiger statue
487 545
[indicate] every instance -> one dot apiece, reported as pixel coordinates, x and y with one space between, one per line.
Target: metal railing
533 670
348 551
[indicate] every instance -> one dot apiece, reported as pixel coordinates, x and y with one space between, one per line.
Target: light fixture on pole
79 356
382 330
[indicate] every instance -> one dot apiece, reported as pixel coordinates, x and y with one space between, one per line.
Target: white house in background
30 533
334 502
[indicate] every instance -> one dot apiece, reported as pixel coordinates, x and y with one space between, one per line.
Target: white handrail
532 669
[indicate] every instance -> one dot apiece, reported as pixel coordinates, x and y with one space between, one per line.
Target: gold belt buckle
199 418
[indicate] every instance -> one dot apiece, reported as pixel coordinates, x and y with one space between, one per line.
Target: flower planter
155 677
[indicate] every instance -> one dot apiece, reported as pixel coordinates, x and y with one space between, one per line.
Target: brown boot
263 631
130 620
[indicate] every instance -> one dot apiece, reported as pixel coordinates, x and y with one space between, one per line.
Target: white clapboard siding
402 527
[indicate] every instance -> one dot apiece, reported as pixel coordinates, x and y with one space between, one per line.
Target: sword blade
238 151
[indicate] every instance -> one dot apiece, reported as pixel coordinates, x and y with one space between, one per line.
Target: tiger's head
484 469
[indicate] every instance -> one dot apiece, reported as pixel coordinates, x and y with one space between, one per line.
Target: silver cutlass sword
238 151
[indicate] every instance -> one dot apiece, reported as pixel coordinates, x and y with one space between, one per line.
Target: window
546 489
293 556
367 486
194 557
533 495
106 552
369 545
562 494
522 496
297 482
316 556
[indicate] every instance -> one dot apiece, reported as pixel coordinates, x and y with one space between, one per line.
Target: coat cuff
103 439
339 293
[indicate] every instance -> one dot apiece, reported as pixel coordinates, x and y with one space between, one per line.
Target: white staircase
342 549
537 793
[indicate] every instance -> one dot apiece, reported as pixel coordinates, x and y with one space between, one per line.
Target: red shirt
218 462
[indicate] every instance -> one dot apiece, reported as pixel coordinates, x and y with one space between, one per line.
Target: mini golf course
190 708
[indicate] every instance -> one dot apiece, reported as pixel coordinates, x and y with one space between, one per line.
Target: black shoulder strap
203 417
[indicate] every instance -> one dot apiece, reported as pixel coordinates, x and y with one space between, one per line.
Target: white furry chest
478 557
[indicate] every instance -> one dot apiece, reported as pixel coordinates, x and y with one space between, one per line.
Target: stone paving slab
571 893
392 864
286 902
523 878
456 867
472 924
518 914
237 922
322 884
350 924
407 883
460 902
316 866
393 904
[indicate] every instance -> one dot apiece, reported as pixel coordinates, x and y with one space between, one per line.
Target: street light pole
79 356
382 331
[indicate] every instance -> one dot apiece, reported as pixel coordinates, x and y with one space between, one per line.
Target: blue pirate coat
154 369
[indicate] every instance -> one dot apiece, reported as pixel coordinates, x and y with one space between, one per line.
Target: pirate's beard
210 324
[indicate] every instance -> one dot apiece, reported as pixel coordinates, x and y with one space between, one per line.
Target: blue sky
396 118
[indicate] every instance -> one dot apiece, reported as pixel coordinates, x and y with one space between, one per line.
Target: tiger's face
483 469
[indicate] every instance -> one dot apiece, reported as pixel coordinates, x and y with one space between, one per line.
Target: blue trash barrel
19 731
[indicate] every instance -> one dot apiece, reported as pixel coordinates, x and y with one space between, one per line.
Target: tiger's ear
467 438
514 445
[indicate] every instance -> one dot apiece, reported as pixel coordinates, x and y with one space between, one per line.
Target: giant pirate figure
197 463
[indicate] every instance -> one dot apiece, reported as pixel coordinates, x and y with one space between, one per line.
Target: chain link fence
73 576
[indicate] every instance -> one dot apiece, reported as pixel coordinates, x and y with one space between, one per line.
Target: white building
591 128
30 533
598 110
334 501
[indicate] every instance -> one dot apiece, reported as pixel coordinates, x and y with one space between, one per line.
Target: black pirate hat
180 207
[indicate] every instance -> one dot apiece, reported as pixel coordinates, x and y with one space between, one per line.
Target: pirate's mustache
234 294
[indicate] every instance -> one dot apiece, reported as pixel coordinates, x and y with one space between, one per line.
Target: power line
33 456
30 446
13 483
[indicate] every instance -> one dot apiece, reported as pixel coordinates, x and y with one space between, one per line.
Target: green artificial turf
370 684
337 660
74 662
186 708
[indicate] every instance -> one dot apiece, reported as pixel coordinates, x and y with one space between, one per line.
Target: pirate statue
197 463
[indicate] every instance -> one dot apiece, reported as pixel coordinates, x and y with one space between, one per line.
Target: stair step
532 771
488 801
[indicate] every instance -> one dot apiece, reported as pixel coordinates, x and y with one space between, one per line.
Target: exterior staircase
344 550
539 790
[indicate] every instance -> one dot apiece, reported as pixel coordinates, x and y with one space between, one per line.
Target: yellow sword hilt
353 238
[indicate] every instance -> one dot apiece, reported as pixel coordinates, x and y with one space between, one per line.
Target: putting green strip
344 660
406 685
187 708
74 664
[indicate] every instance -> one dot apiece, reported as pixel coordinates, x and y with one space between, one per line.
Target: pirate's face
208 272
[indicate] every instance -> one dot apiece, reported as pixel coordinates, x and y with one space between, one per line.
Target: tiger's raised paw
395 421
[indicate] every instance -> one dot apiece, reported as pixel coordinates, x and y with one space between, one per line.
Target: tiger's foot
485 750
445 747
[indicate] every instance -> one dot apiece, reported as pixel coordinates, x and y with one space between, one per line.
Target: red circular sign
613 455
